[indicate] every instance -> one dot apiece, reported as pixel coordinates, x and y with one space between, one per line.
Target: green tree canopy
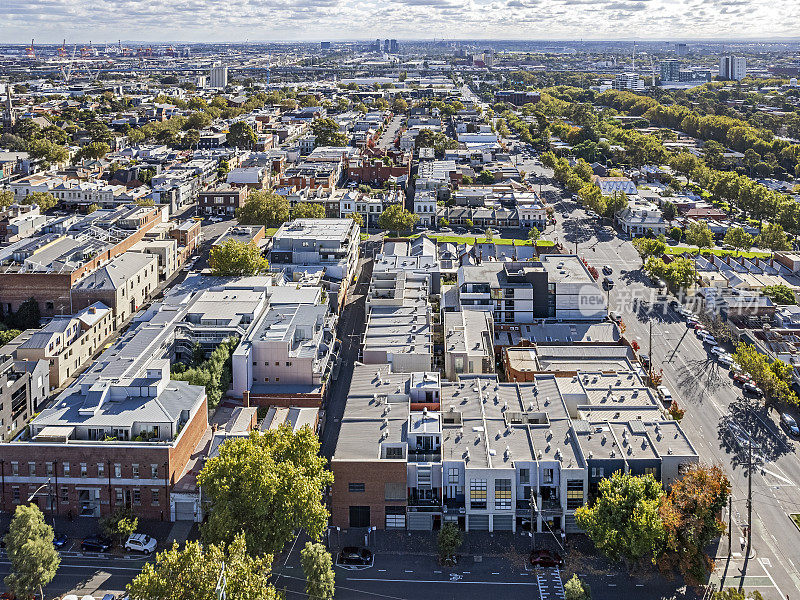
29 544
326 133
308 210
738 238
779 294
575 589
700 235
192 572
44 200
534 234
241 135
318 570
93 151
649 246
6 198
357 218
669 211
773 377
624 521
237 258
399 105
396 218
773 237
275 479
264 207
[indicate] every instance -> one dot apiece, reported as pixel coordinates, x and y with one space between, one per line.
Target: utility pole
749 491
730 523
650 354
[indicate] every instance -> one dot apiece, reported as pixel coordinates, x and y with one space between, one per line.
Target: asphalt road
716 411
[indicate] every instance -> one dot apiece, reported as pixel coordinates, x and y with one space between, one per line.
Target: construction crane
30 52
66 70
62 52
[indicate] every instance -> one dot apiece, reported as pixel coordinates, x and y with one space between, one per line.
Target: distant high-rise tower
376 47
670 70
219 76
393 48
733 68
680 49
324 45
386 46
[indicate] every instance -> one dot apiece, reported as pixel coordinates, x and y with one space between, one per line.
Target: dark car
60 540
96 543
791 425
545 558
355 556
752 389
608 282
607 270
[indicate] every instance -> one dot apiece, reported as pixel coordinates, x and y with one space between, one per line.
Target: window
137 496
118 495
547 476
574 493
117 470
452 476
84 470
355 488
650 471
15 494
135 469
597 472
395 517
64 494
154 471
394 452
66 469
15 468
524 476
502 494
32 469
154 497
101 469
477 493
49 468
395 491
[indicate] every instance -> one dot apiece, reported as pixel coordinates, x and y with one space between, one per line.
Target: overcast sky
49 21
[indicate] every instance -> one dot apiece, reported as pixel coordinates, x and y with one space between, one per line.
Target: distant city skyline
50 21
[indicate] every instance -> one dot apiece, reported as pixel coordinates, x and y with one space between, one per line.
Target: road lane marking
377 579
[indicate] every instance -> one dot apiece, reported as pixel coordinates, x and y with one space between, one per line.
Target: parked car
139 542
692 324
665 394
216 219
718 350
445 230
752 389
709 339
607 270
725 359
788 421
740 378
614 316
60 540
96 543
545 558
355 556
701 332
608 282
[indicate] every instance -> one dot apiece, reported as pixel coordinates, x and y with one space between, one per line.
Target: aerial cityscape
509 309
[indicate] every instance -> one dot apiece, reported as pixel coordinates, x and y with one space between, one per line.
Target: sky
50 21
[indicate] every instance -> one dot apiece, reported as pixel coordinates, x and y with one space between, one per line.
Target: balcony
424 456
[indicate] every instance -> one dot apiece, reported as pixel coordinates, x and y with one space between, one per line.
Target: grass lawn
270 232
717 252
796 518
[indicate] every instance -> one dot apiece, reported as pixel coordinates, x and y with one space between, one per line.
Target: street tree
6 199
29 545
93 151
690 513
486 177
91 208
396 218
120 524
191 138
44 200
779 294
191 572
275 479
49 151
237 258
592 198
773 236
448 542
575 589
773 377
669 211
399 105
308 210
264 207
534 234
318 570
676 234
738 238
649 246
734 594
357 218
700 235
614 204
241 135
624 522
326 133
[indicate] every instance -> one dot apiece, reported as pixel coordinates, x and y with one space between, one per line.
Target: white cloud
256 20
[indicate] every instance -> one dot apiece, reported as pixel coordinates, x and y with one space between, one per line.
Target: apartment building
124 285
468 343
425 205
222 200
24 388
67 343
414 452
329 244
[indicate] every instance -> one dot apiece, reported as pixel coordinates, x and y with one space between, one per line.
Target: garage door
420 521
184 511
503 522
478 522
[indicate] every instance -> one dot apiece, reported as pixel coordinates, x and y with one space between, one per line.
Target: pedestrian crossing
550 586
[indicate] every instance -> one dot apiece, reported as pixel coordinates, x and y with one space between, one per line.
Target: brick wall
374 475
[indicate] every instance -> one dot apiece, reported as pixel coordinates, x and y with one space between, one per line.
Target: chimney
246 398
